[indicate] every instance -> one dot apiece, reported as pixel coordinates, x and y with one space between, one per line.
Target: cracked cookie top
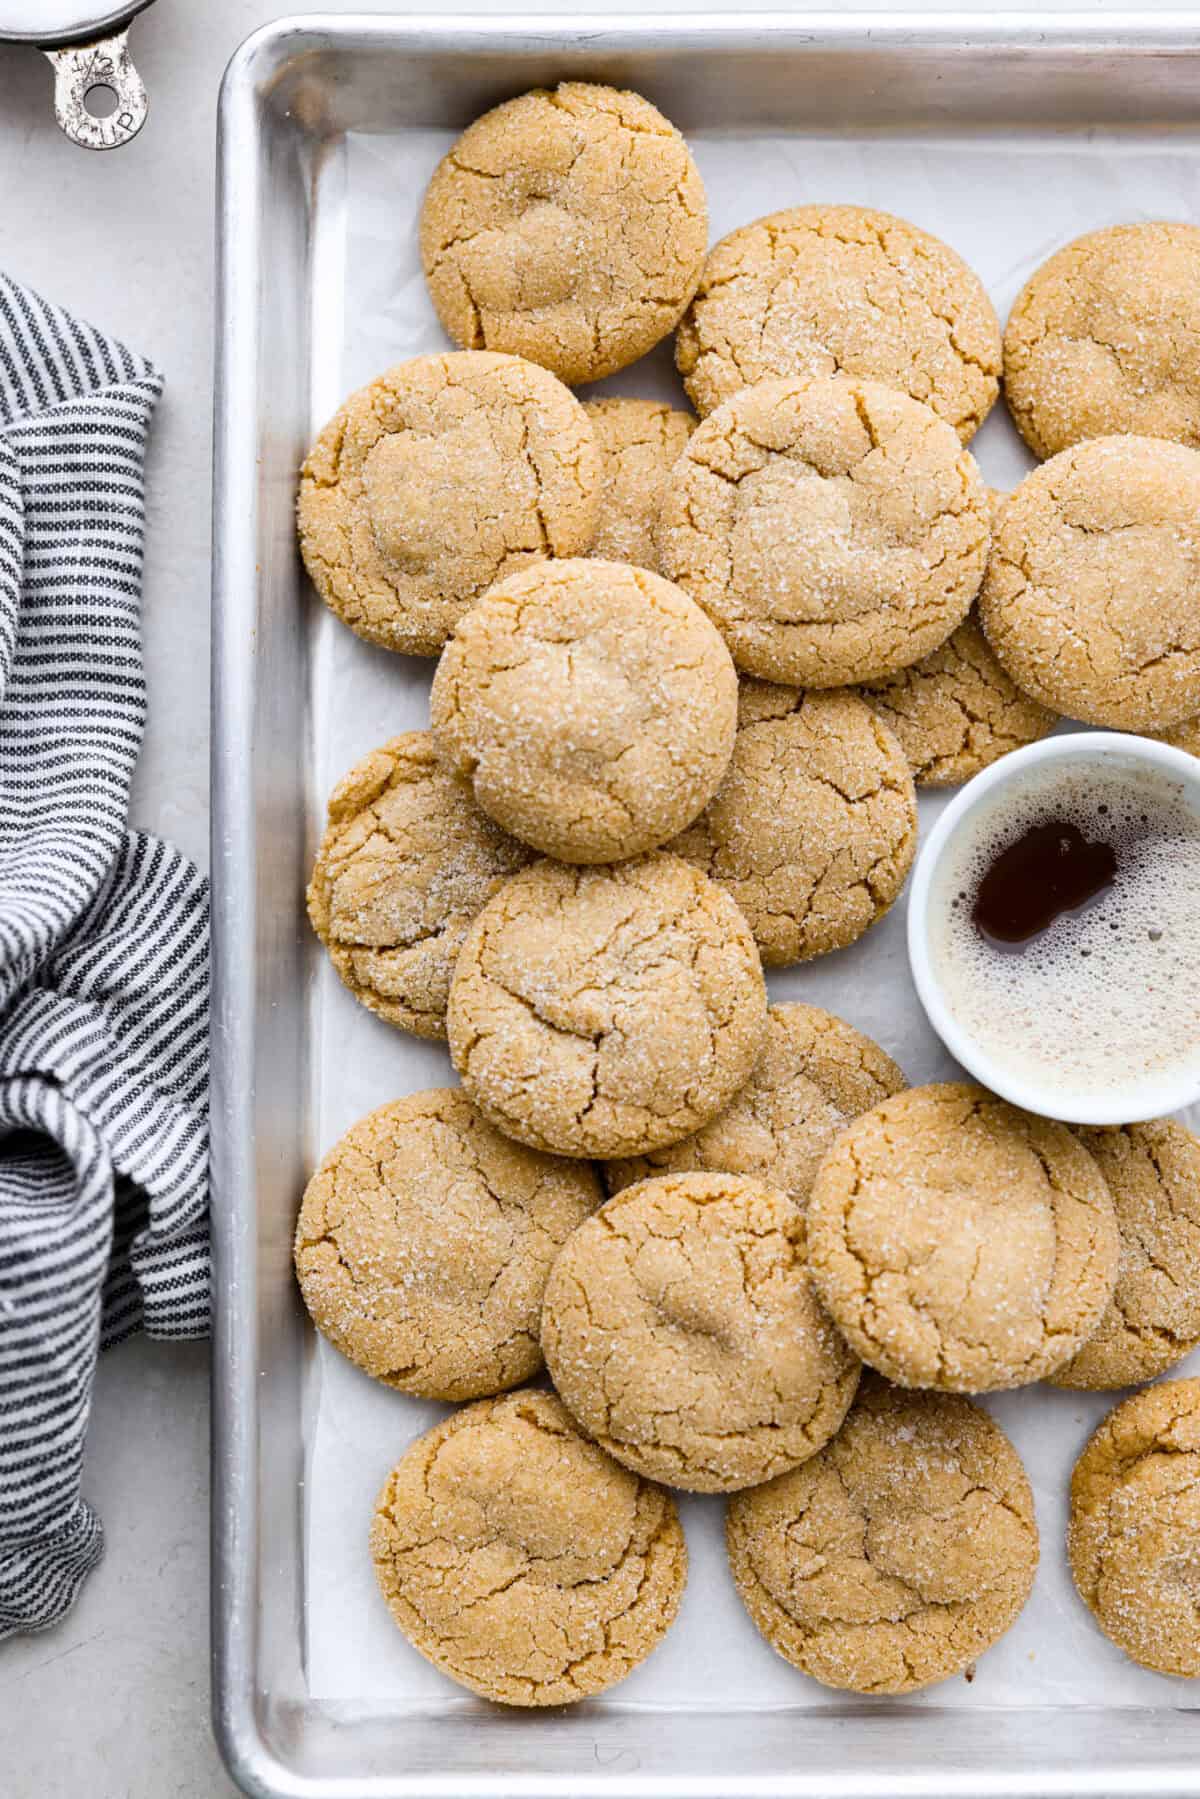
681 1329
826 290
1153 1320
520 1559
957 710
1105 338
897 1555
406 862
606 1011
833 530
1092 594
1134 1527
814 828
959 1243
424 1242
569 226
639 442
590 705
1184 737
815 1074
440 477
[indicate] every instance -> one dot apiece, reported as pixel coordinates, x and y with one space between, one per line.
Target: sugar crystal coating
568 226
520 1559
443 475
824 290
897 1555
606 1011
682 1331
1135 1525
959 1243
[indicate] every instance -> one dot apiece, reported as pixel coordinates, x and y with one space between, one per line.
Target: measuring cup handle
104 63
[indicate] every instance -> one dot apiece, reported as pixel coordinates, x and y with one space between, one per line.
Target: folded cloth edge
103 948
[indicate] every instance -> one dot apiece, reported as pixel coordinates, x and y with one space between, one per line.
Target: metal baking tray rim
249 78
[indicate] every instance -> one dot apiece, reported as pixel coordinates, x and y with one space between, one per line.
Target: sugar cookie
520 1559
814 828
1135 1525
959 1243
957 711
568 226
1105 337
590 705
606 1011
682 1331
1092 594
1185 736
1153 1319
897 1555
823 290
639 442
424 1242
406 862
442 476
833 530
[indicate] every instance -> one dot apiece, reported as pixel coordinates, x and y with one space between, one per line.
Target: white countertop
114 1702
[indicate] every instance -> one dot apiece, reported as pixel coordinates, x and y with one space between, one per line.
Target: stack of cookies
689 674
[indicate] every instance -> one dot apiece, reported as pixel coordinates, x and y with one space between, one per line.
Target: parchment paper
1004 203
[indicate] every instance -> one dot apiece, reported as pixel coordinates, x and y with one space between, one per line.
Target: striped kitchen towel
103 948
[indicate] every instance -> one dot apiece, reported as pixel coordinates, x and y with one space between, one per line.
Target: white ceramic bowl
1174 1090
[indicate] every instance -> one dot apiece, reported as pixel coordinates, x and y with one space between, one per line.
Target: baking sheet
1004 202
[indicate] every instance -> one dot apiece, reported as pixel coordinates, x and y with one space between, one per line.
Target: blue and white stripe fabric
103 948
